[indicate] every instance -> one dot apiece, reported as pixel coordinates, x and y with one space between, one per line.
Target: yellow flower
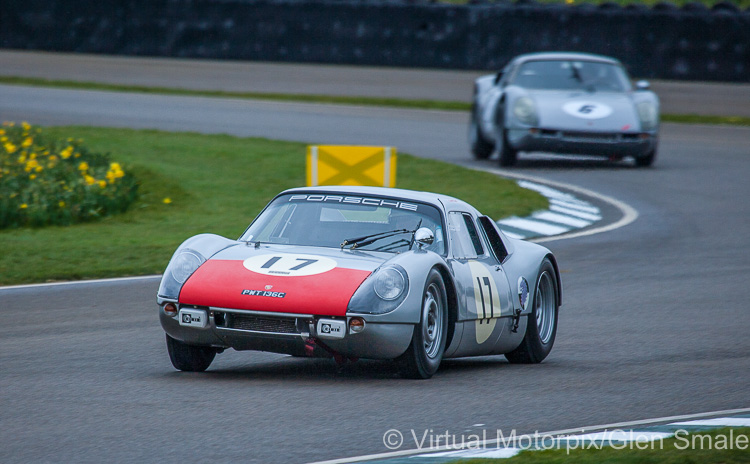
83 166
89 180
27 142
115 167
24 206
61 204
32 164
26 126
167 201
111 176
10 148
32 177
65 154
102 183
38 169
2 131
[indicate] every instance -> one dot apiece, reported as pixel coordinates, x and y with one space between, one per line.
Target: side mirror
642 85
498 77
424 237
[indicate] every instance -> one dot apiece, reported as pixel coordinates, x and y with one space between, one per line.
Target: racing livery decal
289 265
523 293
587 109
486 300
228 284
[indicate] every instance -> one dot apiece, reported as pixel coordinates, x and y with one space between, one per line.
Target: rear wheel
480 147
541 327
422 359
189 357
508 155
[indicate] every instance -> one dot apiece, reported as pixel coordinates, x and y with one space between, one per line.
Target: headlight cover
180 268
648 115
381 292
525 111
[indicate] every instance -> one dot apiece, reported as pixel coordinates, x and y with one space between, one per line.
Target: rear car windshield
327 220
571 75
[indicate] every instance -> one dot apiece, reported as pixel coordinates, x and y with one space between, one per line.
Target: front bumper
286 333
618 144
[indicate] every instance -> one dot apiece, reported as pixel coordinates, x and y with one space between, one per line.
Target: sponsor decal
263 293
356 201
587 109
291 265
523 292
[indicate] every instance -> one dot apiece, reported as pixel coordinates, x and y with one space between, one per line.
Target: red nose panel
228 284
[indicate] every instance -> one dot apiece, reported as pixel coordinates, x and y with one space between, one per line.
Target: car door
483 284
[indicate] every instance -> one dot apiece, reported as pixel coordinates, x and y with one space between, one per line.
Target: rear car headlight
382 292
525 111
648 115
180 268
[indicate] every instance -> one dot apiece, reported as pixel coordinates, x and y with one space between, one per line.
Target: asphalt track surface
654 321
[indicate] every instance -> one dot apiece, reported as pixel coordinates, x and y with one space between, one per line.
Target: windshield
327 220
571 75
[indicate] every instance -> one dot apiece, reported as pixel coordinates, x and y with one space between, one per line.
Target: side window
496 243
465 239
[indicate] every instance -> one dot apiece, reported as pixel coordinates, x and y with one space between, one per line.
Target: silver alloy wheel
544 302
432 321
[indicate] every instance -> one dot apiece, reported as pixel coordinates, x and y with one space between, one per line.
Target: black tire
647 160
538 341
508 156
189 358
422 359
481 148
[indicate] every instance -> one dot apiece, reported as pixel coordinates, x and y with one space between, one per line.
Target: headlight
382 292
525 111
180 267
648 115
389 283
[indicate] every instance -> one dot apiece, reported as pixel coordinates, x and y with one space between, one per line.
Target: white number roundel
587 109
289 265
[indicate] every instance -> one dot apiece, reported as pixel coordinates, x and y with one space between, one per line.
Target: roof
445 202
573 56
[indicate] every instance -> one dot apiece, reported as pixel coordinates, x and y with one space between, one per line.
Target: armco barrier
692 43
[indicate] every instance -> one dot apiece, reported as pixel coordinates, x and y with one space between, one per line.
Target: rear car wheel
542 322
647 160
422 359
189 358
480 147
508 156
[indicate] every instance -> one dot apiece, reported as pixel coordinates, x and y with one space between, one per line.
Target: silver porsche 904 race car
572 103
362 272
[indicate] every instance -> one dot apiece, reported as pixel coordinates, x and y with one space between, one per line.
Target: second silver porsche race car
362 272
571 103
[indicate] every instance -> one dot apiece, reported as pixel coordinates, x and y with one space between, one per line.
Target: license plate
193 318
331 328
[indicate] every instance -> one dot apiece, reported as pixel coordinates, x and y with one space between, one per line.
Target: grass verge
338 100
715 447
214 183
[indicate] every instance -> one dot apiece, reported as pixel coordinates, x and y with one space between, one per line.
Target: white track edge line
616 425
80 282
629 214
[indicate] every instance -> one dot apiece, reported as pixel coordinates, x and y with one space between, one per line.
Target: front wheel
541 327
508 155
189 358
647 160
422 359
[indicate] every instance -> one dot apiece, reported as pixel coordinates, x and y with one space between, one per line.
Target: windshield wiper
369 239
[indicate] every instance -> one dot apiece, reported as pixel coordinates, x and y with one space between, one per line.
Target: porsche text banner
351 165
